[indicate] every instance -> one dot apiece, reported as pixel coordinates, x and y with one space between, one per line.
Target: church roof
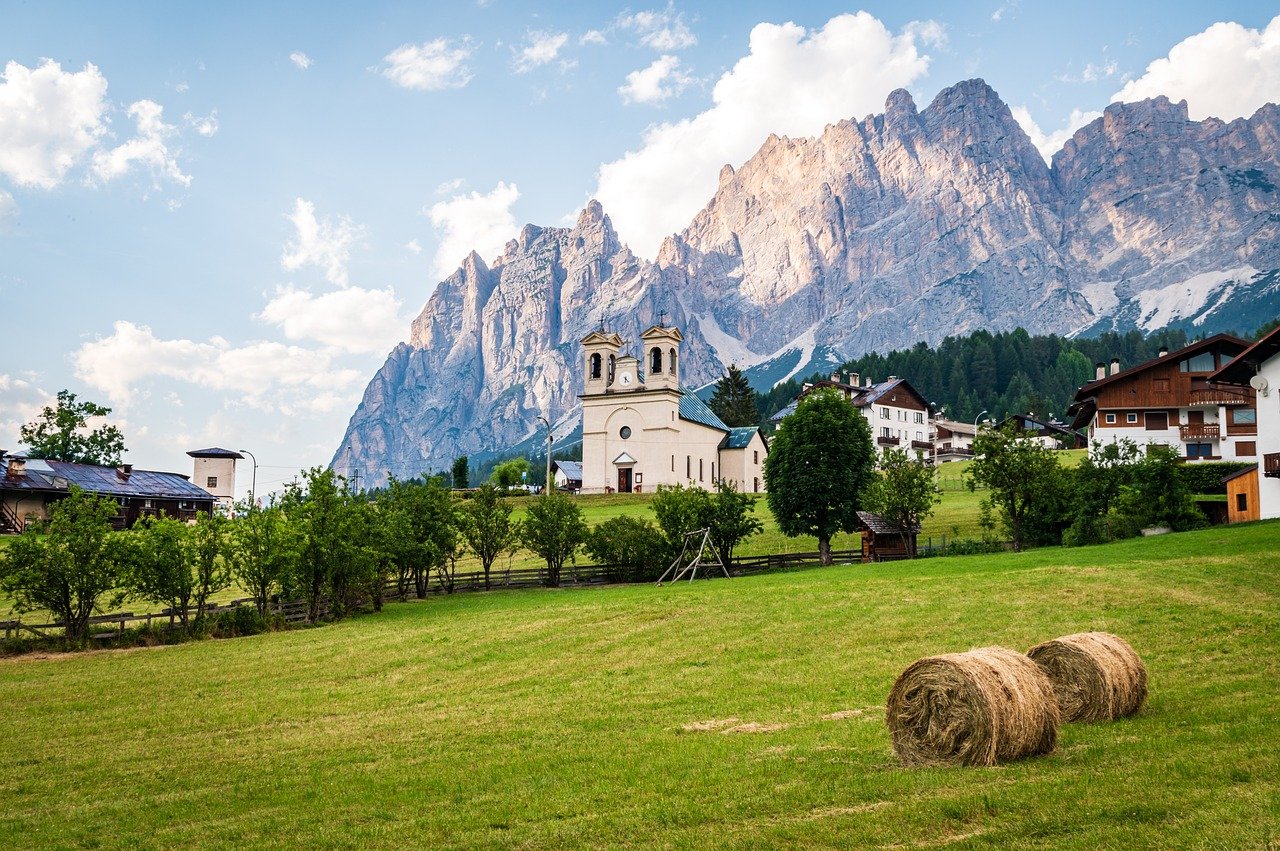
739 438
695 410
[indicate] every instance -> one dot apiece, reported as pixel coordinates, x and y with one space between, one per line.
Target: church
641 429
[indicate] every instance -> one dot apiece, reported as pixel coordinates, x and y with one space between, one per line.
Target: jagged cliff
906 226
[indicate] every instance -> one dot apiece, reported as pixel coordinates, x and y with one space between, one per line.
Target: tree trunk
486 575
824 549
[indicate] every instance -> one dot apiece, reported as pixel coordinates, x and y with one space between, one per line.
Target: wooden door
1195 418
624 480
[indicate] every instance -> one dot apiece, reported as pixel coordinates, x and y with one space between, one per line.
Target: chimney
17 468
124 471
854 379
1099 371
835 378
1115 365
1164 350
869 381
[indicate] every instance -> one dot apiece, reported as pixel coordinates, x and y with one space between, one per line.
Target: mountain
908 226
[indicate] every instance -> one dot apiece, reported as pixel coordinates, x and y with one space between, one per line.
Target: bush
635 550
1207 476
242 620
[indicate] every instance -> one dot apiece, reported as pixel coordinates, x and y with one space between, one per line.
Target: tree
631 545
485 524
731 518
70 570
263 552
460 472
159 570
554 529
319 512
1024 478
734 401
904 494
1100 479
63 433
510 473
818 469
679 511
208 545
1160 495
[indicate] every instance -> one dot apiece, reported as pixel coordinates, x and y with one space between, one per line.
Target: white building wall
1269 439
223 472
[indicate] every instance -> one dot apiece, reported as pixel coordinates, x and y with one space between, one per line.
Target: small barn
567 475
1242 495
883 540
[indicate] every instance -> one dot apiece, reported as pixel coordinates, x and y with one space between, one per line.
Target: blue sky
218 218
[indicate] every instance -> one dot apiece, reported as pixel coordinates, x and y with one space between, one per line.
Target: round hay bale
978 708
1097 676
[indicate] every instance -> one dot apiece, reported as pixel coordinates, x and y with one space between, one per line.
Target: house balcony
921 444
1199 431
887 441
1271 465
1214 396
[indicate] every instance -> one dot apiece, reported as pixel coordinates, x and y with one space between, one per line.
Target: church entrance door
624 480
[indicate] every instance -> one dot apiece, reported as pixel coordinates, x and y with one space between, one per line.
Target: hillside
728 714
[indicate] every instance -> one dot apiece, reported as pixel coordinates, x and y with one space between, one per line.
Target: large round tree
819 467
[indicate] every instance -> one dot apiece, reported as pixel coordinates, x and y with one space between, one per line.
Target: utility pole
547 483
356 475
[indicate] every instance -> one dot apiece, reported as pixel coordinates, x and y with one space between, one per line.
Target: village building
641 428
883 540
953 440
30 487
214 469
1170 400
567 475
898 415
1050 434
1255 494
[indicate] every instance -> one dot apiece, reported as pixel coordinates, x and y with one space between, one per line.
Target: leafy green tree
485 525
1159 494
731 518
904 494
680 509
209 544
461 472
734 401
818 469
510 473
1099 480
554 529
263 552
319 510
631 545
63 433
1024 479
69 571
159 570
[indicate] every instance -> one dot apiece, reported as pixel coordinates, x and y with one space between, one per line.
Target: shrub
242 620
1207 476
633 548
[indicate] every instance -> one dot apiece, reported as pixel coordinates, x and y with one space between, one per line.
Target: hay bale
977 708
1097 676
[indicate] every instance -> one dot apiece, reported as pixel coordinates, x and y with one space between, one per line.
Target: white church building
641 429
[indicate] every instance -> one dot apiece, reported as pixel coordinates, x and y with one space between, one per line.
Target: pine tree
734 401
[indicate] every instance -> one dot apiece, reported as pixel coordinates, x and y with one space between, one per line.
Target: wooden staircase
10 523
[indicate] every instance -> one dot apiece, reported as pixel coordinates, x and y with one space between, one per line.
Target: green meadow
740 713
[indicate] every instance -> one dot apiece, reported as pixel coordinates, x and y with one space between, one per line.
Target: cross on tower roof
662 319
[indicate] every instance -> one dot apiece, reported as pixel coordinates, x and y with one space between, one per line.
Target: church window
755 457
713 471
671 361
688 467
699 469
624 432
595 365
673 463
655 361
612 364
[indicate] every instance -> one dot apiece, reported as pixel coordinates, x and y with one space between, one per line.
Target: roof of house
785 412
572 469
957 427
859 396
215 452
1246 364
878 525
695 410
58 476
1238 473
1030 423
740 438
1091 387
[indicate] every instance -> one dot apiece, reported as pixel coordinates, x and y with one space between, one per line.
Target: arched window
671 362
595 365
655 361
612 363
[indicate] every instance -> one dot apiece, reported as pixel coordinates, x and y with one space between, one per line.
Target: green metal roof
739 438
695 410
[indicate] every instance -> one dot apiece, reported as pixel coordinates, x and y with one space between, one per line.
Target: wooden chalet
885 541
1050 433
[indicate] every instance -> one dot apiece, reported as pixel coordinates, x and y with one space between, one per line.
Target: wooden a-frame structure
678 569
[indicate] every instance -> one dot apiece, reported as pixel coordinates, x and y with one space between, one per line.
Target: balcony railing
887 441
1271 465
1199 431
1220 396
921 444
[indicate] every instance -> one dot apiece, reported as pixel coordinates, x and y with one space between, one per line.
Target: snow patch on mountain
1190 298
729 350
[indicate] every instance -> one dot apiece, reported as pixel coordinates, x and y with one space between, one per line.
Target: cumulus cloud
8 208
1227 71
267 375
23 401
206 126
149 148
300 59
539 49
593 37
430 66
323 244
793 81
660 81
473 222
353 320
1050 143
413 246
661 29
49 120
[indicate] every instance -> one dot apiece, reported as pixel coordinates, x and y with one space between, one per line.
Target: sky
218 218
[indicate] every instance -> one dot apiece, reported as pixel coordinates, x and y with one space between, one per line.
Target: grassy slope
553 718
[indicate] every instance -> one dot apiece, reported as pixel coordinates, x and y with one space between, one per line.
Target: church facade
641 429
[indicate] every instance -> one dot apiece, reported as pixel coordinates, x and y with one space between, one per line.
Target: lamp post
547 482
253 488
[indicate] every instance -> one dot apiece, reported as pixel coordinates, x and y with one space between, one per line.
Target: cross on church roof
662 319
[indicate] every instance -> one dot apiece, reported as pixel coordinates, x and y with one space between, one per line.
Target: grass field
735 714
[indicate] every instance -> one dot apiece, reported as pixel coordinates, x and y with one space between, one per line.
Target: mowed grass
739 713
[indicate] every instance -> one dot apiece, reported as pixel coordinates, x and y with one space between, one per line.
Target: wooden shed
1242 496
884 541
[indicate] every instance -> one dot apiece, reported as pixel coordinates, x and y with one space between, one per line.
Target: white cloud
1093 73
413 246
451 186
149 148
793 81
353 320
1049 144
324 244
206 126
430 66
539 49
998 15
1227 71
662 80
593 37
267 375
49 120
8 208
661 29
23 401
300 59
473 222
181 87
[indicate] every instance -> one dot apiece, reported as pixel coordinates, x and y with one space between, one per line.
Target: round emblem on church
625 432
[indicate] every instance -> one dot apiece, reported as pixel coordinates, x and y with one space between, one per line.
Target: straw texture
1096 676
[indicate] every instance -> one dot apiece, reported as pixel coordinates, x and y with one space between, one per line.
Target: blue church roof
695 410
739 438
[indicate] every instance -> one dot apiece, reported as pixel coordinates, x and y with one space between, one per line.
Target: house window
1202 362
673 463
919 416
713 471
1131 418
884 413
146 503
211 482
688 467
1242 502
755 485
1199 450
1244 416
1246 448
920 436
1111 419
1157 420
885 431
1160 385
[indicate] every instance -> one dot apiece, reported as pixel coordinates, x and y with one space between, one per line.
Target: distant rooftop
215 452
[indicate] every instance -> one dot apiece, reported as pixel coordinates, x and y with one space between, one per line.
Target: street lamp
547 482
253 488
975 421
